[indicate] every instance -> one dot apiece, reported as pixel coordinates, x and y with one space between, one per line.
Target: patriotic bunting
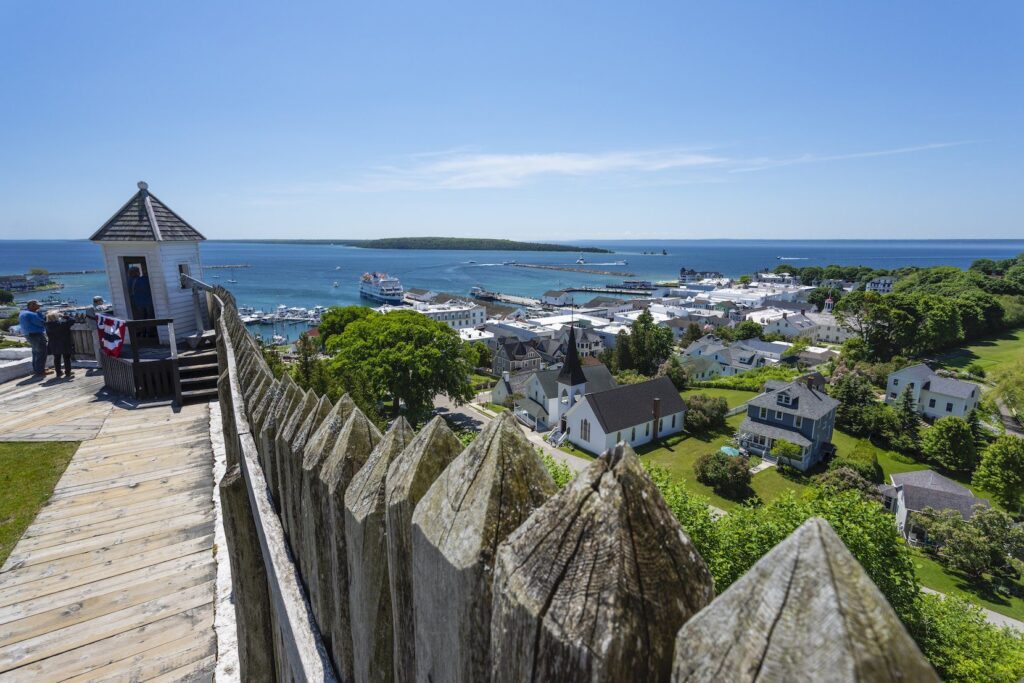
111 332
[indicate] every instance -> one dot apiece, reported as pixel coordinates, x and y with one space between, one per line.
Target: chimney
803 311
505 375
656 409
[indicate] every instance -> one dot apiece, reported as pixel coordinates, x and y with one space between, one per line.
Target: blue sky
523 120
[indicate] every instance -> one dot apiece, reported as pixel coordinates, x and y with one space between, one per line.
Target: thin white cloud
462 169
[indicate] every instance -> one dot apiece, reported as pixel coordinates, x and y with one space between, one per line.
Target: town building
934 396
455 314
710 356
690 276
635 414
910 493
416 295
881 285
25 283
799 412
516 356
556 297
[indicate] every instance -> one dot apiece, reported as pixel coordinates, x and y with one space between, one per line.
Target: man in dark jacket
58 332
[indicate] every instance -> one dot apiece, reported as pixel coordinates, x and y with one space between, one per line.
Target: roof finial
143 185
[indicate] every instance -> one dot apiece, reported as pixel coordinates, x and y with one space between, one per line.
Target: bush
728 476
705 413
950 444
753 380
559 471
630 377
844 478
861 460
976 369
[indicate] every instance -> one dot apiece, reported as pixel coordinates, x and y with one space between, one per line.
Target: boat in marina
381 287
581 260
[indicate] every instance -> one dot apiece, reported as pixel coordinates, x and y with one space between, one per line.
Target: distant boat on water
581 260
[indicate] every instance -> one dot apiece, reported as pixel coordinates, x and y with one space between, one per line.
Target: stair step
198 382
193 359
205 368
198 395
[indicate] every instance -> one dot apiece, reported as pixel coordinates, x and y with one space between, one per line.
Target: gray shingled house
912 492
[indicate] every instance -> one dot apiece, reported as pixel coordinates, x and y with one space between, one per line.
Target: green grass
11 344
933 575
496 407
991 354
28 473
733 397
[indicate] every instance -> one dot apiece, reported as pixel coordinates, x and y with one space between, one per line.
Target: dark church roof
629 405
146 219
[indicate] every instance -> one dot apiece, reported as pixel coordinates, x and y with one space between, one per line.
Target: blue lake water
297 274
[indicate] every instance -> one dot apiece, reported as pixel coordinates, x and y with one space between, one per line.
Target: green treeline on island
449 243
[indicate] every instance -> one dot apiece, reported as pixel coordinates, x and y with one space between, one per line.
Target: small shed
146 249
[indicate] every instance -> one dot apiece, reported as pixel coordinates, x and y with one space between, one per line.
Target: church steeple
572 371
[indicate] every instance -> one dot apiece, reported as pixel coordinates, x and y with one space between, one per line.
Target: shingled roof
146 219
632 404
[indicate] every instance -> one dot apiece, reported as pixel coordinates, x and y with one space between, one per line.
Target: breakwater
573 269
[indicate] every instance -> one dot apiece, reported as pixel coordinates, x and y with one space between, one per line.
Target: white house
146 249
548 394
882 285
457 315
935 396
913 492
556 297
633 413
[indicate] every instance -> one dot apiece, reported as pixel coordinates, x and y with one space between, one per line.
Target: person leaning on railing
33 326
61 344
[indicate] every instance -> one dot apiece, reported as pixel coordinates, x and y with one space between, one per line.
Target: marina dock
573 269
611 290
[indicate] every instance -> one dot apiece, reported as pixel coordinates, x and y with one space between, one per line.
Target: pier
610 290
229 265
573 269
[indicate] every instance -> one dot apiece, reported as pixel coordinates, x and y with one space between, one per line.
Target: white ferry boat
381 287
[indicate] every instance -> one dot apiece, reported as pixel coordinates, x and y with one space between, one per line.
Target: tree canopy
1002 470
950 444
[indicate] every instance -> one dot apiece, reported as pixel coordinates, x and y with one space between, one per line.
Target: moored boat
381 287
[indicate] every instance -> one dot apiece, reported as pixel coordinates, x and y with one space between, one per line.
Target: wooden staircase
198 371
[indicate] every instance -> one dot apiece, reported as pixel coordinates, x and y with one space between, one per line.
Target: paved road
1009 421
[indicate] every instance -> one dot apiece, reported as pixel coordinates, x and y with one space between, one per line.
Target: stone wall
368 556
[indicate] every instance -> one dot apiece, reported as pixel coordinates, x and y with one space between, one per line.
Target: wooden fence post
408 478
325 511
807 611
317 449
290 454
596 583
287 431
482 497
367 552
274 419
248 579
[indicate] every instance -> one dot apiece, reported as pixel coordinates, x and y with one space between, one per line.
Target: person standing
33 326
61 343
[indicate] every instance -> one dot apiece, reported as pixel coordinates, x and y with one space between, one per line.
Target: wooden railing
144 378
362 555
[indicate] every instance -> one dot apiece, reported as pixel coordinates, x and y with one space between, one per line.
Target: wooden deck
115 578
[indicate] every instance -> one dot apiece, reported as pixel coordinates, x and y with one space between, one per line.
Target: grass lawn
28 473
10 344
733 397
933 575
991 354
496 407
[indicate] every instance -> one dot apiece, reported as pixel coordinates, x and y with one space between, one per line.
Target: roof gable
632 404
144 218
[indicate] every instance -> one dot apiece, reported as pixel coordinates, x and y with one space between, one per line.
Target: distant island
465 244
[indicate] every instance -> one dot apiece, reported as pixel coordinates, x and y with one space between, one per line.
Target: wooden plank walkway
115 578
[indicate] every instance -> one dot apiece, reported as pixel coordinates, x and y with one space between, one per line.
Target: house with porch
516 355
799 412
934 396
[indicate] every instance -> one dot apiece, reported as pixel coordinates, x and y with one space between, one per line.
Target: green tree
747 533
272 357
787 449
744 280
38 271
705 413
6 298
308 371
649 344
798 346
1002 470
675 371
336 318
988 544
950 444
692 334
908 438
856 399
404 357
623 352
819 295
728 476
748 329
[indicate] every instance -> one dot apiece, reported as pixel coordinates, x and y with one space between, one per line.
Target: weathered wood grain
482 497
291 454
282 448
326 513
596 583
806 611
366 544
317 449
248 580
408 479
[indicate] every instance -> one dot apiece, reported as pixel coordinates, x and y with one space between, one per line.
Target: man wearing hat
33 326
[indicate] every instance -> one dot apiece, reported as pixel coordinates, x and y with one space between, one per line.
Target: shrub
559 471
705 413
861 460
976 369
950 444
753 380
728 476
844 478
